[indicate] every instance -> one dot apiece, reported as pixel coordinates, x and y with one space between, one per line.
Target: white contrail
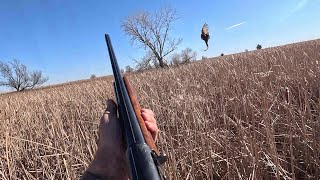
236 25
297 8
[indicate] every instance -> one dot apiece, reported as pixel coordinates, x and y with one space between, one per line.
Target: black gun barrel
142 165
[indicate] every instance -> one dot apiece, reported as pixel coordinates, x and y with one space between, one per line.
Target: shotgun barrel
143 157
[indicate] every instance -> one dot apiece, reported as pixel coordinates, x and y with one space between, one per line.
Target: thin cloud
236 25
297 8
300 6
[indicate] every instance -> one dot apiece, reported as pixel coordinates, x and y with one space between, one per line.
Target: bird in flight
205 34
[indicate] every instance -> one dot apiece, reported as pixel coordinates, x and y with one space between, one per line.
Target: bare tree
93 76
148 61
152 32
186 56
175 59
129 69
16 75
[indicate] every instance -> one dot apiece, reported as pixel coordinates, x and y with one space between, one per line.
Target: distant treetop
151 31
15 75
93 76
259 47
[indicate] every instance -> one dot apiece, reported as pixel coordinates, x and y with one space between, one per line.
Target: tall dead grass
254 115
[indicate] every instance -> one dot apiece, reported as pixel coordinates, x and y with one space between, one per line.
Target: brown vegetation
245 116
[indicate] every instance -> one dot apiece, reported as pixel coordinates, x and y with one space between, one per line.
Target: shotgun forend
143 157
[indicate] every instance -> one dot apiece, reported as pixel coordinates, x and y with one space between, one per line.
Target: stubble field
254 115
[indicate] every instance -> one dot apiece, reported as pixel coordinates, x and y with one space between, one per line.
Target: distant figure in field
205 34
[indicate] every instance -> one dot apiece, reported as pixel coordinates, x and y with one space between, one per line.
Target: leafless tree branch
15 75
152 32
186 56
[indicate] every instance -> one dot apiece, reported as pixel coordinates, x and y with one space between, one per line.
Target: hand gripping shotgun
143 157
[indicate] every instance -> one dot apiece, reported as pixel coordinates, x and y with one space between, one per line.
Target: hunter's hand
151 123
110 159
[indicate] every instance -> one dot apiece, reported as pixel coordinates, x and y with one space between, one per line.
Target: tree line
150 31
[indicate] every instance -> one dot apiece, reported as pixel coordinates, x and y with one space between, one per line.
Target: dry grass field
254 115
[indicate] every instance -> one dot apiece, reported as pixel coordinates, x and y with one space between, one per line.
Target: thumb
111 106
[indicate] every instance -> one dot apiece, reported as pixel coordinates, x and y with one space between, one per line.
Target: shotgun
143 156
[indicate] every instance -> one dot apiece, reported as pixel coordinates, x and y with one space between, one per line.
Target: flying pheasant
205 34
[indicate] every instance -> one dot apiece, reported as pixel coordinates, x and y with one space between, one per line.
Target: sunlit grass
247 116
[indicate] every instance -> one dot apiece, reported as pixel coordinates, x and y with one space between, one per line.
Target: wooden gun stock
142 155
137 109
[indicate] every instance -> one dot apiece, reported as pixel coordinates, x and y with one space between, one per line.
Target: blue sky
65 39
